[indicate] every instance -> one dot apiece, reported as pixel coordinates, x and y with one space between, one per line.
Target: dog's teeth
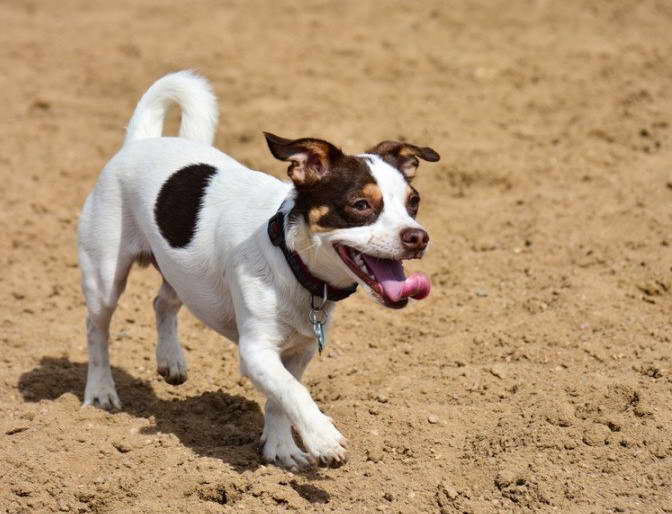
365 269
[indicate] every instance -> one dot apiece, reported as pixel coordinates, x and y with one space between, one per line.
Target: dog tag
318 328
317 318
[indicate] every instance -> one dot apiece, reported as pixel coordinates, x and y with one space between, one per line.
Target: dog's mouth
385 277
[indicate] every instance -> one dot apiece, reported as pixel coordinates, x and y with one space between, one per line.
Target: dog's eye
361 205
414 201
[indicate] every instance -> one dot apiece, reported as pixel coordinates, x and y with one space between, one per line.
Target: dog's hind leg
170 360
108 244
103 280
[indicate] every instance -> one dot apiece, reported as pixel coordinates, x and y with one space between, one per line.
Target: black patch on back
179 202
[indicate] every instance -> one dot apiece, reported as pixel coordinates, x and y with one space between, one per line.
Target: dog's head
360 211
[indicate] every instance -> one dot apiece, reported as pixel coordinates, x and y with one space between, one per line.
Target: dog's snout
414 239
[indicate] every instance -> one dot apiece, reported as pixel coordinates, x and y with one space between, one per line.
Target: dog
258 260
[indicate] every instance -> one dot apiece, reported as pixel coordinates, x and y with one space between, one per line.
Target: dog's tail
196 100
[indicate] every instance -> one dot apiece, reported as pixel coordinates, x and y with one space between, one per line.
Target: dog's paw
325 443
102 394
282 451
173 370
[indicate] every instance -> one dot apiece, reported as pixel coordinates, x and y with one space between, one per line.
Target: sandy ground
536 377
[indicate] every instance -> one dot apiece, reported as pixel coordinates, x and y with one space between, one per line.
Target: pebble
596 435
448 490
374 455
17 429
432 419
498 370
121 446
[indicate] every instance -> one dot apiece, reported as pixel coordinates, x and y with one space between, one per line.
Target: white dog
258 260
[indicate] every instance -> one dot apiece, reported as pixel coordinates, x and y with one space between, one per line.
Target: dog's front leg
261 362
277 441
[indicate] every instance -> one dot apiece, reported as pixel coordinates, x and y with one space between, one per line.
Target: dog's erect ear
310 158
404 156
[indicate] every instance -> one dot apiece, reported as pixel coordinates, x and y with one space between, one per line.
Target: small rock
374 455
382 398
498 370
389 497
506 477
660 450
432 419
569 444
43 105
17 429
481 293
596 435
558 413
448 490
63 506
642 410
121 446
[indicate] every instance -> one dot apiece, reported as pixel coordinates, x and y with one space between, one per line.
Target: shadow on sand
213 424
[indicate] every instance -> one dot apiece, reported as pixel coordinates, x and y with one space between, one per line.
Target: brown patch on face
314 216
412 201
372 193
346 196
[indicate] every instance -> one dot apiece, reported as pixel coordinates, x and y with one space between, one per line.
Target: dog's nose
414 239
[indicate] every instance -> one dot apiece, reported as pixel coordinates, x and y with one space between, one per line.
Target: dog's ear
404 156
311 158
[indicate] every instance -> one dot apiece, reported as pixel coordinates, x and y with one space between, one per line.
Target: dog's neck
321 260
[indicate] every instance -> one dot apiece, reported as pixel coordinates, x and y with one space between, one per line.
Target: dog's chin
383 279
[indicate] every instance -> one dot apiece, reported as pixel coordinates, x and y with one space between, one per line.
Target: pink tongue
396 286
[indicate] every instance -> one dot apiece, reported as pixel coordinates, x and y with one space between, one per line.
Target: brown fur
373 194
314 216
404 156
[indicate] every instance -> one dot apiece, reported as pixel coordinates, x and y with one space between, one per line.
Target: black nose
414 239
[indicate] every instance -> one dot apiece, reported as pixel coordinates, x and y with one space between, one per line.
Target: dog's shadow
214 424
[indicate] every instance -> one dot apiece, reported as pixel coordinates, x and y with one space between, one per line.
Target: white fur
229 276
195 98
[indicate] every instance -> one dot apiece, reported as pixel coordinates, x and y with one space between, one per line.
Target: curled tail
196 100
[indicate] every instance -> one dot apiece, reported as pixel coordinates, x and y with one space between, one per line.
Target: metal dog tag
318 329
317 318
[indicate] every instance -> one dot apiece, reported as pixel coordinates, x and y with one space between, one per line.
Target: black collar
315 286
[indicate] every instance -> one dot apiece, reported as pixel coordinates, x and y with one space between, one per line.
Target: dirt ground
536 377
